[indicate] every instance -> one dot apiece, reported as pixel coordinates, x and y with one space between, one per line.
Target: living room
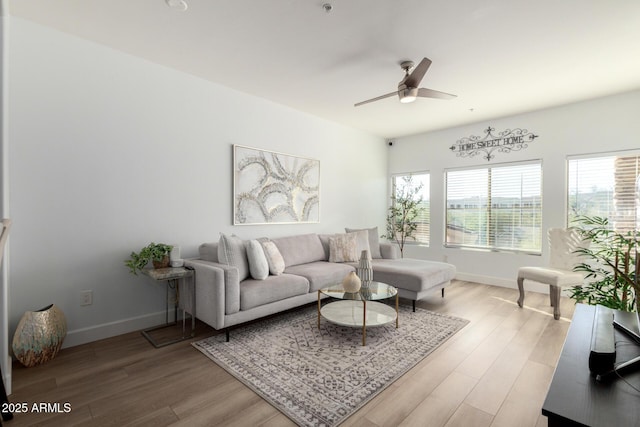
108 151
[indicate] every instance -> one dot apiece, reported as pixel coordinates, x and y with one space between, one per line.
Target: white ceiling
500 57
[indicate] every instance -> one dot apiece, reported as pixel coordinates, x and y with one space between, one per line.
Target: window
604 186
497 208
418 185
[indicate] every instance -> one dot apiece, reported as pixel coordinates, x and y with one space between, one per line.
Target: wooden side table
172 277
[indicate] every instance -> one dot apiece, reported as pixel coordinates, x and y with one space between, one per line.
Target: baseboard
505 283
112 329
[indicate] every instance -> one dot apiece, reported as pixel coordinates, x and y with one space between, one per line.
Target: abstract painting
274 188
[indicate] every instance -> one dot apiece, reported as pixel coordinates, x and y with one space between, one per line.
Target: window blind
498 207
604 186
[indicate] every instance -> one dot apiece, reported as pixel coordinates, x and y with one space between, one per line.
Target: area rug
321 377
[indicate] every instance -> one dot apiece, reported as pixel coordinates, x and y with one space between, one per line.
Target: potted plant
406 207
611 266
157 253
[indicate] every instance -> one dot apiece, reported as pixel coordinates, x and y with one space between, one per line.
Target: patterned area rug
320 377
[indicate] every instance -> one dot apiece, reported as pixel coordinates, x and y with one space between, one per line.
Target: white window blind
604 186
498 207
417 180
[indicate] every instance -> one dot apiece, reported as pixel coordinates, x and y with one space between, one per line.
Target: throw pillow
374 241
274 258
362 242
342 248
231 251
258 265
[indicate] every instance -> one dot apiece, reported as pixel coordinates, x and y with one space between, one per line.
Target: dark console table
575 398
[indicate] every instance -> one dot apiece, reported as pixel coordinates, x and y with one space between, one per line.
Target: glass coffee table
359 309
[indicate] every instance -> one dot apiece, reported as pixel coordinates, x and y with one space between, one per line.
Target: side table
172 276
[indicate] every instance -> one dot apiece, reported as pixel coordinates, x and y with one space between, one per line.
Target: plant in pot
157 253
611 266
405 210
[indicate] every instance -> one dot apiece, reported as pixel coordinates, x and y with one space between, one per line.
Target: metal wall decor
504 142
274 188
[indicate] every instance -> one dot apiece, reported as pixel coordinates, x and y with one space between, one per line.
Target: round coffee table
359 309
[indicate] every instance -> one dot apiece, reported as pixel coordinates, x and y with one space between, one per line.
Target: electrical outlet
86 297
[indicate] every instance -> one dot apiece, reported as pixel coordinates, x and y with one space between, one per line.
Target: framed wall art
274 188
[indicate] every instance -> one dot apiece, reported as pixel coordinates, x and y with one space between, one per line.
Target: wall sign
504 142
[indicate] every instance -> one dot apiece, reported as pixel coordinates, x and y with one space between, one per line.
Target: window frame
395 176
598 155
483 248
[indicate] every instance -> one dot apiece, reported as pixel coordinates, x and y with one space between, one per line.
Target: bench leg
554 292
521 289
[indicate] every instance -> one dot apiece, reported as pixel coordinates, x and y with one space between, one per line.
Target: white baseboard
505 283
112 329
119 327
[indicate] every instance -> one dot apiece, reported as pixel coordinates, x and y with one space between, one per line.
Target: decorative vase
351 283
39 335
365 269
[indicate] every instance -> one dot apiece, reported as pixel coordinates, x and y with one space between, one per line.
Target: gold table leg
364 322
397 315
318 309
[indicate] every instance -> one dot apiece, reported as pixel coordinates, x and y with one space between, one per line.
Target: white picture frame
274 188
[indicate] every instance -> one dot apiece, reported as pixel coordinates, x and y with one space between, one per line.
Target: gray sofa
227 295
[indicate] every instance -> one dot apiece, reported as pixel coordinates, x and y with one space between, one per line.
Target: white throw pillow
274 258
342 248
374 240
231 251
258 265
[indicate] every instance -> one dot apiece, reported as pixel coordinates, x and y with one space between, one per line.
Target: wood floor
495 372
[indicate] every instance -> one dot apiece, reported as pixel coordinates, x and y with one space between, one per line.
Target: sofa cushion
258 265
412 274
274 258
254 293
342 248
321 274
300 249
231 251
374 241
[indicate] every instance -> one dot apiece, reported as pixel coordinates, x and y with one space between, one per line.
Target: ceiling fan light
409 95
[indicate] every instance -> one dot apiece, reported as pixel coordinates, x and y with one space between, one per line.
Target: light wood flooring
494 372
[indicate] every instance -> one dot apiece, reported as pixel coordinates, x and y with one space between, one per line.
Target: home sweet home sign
503 142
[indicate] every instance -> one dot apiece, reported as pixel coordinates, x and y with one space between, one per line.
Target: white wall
595 126
109 152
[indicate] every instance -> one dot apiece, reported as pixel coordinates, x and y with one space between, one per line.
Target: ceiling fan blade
414 79
376 99
430 93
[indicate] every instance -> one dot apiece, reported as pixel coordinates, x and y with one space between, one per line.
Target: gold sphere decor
351 283
39 335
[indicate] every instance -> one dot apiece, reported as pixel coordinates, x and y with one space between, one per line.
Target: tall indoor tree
404 212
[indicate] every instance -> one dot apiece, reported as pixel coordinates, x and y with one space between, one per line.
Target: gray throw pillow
258 265
374 241
231 251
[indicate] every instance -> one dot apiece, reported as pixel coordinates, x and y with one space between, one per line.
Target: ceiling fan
408 89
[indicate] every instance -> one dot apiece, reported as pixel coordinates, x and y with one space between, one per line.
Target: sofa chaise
241 280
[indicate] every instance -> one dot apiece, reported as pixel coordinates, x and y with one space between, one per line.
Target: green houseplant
406 207
157 253
611 266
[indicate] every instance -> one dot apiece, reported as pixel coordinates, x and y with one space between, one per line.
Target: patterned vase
39 335
365 269
351 283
